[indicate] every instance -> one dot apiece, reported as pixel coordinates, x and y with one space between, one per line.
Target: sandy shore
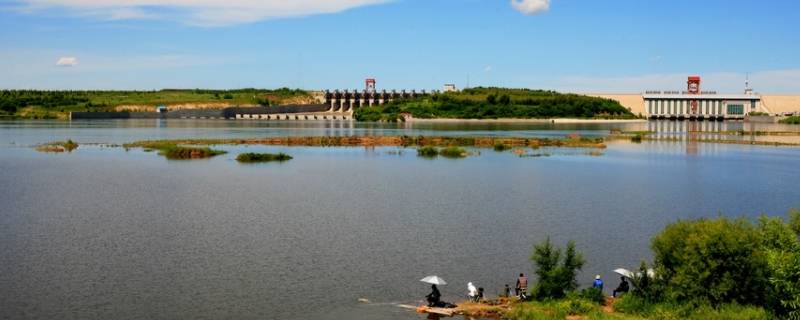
516 120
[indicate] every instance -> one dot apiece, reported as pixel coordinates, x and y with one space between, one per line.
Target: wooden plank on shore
440 311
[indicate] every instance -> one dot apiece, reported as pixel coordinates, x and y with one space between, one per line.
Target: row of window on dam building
696 104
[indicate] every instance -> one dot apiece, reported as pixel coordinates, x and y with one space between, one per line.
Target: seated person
622 288
434 296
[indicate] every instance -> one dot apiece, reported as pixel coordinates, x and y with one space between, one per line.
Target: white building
702 106
449 88
697 104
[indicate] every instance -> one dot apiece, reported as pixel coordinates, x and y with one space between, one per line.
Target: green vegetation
791 120
496 103
718 268
633 305
453 152
38 104
173 151
59 146
263 157
758 114
429 152
573 306
499 147
555 276
448 152
573 141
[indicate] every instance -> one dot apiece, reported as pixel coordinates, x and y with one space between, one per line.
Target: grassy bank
389 141
720 268
36 104
498 103
263 157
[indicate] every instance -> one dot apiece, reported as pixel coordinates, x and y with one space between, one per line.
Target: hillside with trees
498 103
43 104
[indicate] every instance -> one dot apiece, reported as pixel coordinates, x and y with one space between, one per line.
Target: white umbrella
630 274
434 280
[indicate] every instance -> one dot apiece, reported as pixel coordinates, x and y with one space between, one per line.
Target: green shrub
576 306
453 152
791 120
555 276
499 147
594 295
717 261
263 157
427 152
633 304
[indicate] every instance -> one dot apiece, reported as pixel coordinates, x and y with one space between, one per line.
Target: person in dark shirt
622 288
434 296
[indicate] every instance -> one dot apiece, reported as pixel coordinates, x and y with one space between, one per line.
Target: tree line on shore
495 103
719 268
60 101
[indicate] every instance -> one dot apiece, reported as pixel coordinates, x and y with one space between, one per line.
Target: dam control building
694 103
701 105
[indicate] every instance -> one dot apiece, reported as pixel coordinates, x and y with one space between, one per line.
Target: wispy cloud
531 7
196 12
67 62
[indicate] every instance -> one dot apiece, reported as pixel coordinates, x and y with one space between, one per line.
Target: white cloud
67 62
197 12
531 7
487 69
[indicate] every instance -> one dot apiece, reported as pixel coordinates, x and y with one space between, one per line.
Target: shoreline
523 120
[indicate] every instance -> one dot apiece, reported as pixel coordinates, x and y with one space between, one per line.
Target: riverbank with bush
791 120
721 268
497 103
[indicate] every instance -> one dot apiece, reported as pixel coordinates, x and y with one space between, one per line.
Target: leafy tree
555 277
717 261
794 221
504 100
491 99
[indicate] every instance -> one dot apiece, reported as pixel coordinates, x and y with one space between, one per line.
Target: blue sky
567 45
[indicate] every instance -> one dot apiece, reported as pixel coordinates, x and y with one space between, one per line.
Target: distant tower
747 90
693 85
370 86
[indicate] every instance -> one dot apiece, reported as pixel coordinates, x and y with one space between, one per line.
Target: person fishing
598 283
522 285
622 288
434 296
472 292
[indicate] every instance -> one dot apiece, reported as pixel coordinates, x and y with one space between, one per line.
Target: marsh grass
263 157
58 146
453 152
500 147
791 120
428 152
172 151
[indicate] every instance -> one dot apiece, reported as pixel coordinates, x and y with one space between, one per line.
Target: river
102 232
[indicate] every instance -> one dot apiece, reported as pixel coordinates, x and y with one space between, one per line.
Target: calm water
103 233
